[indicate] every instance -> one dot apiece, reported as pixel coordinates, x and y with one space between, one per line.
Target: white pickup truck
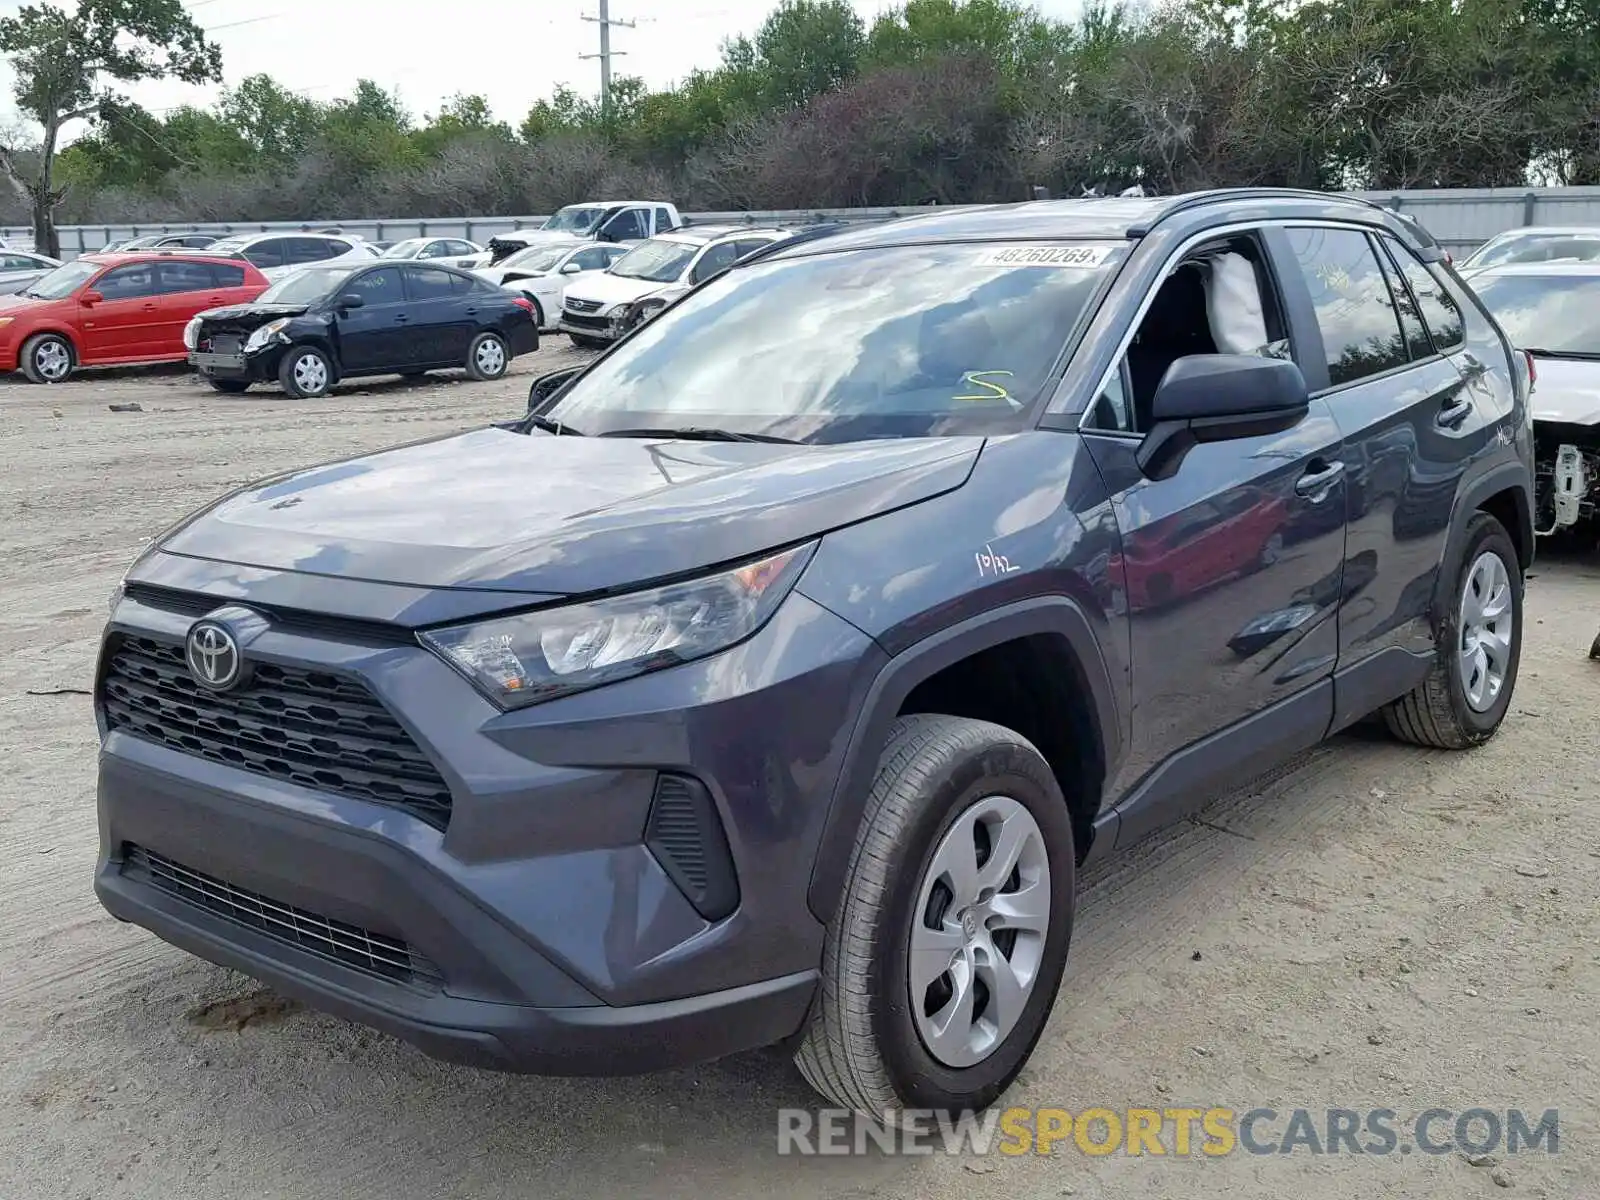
599 220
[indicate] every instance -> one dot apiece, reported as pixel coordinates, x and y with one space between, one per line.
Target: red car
106 309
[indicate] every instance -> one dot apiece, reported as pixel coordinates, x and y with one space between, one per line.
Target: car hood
243 318
1568 391
13 303
611 289
494 509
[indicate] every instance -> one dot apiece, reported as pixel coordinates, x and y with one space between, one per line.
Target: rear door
306 250
182 289
126 322
443 316
268 253
1406 413
377 336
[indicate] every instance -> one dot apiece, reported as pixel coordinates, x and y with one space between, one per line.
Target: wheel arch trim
895 680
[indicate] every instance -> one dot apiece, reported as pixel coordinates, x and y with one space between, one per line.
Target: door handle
214 301
147 308
1319 478
400 318
1453 411
472 312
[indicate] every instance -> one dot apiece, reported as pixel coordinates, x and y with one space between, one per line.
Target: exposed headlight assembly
265 334
191 333
524 659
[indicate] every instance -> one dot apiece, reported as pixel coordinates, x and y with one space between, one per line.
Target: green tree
279 124
462 117
67 65
803 48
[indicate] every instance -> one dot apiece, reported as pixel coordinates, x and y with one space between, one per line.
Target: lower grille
338 941
310 728
223 343
600 324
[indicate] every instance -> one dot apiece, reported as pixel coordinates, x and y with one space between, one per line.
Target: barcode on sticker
1045 256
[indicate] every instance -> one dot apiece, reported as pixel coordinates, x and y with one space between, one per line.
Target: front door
125 323
376 336
1229 571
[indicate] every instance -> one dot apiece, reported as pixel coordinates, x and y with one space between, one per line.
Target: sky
513 52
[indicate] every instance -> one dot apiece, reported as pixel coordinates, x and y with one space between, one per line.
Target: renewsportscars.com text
1173 1132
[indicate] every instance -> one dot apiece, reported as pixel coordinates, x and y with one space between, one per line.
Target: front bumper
258 367
555 939
600 328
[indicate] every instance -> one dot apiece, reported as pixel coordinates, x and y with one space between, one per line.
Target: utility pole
605 22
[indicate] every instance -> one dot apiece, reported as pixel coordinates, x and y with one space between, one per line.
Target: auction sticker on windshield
1045 256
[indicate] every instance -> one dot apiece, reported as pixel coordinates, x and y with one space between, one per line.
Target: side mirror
571 268
91 297
547 386
350 300
1216 398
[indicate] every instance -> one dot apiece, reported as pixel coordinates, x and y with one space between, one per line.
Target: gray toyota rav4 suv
773 678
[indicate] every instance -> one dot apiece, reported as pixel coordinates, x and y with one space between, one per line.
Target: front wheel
305 372
47 358
1465 696
944 957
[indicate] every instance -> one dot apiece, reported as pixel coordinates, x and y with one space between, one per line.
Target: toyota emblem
212 653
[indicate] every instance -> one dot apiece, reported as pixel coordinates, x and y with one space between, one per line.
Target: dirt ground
1376 927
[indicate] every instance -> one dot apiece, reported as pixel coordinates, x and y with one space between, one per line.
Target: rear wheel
944 957
48 358
305 372
1465 696
230 387
487 357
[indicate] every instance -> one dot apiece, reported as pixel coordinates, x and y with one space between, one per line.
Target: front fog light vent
685 834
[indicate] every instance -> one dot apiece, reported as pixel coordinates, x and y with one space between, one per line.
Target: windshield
911 341
537 258
575 218
305 287
657 261
1537 248
63 281
409 248
1545 312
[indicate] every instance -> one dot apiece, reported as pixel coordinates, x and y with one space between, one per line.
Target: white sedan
450 252
542 272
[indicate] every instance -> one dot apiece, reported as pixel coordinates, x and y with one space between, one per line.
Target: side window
749 246
128 283
459 248
596 258
273 252
1113 409
1439 310
1416 332
663 220
184 277
435 250
382 286
15 262
627 225
1361 333
310 250
425 283
226 275
715 259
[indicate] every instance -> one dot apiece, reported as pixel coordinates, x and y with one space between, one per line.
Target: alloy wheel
1487 621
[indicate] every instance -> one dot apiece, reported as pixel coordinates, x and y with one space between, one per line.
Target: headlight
265 334
521 660
191 333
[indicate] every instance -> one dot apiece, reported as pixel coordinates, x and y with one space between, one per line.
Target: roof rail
808 233
1211 196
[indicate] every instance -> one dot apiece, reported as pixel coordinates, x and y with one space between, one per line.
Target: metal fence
1459 218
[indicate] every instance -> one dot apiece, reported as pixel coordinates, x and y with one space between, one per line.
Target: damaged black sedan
324 324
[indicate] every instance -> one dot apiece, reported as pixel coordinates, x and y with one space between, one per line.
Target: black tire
229 387
488 357
297 380
861 1048
585 342
1436 713
42 344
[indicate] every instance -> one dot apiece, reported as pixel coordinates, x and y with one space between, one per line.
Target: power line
605 21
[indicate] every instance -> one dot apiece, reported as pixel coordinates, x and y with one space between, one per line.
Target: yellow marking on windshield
975 379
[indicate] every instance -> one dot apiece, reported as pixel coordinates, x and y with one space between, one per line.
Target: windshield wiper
700 433
1581 355
559 428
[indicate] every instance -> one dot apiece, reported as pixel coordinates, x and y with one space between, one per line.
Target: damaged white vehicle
1552 311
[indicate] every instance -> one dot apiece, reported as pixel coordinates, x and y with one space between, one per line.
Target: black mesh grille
374 953
685 834
317 730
